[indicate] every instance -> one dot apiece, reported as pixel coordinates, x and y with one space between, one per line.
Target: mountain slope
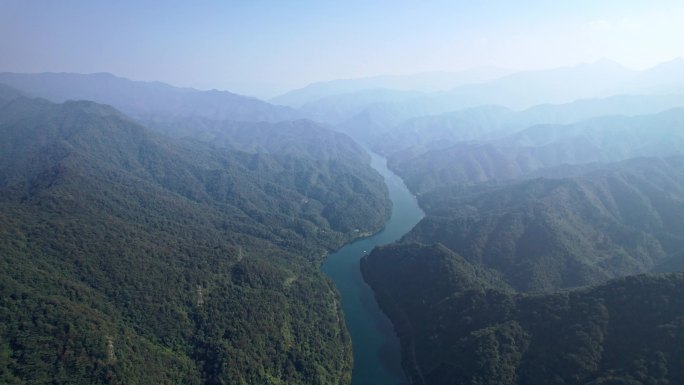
129 257
335 109
8 93
543 234
478 244
301 138
533 237
463 329
490 122
523 90
606 139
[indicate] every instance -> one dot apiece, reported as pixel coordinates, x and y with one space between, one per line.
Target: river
377 353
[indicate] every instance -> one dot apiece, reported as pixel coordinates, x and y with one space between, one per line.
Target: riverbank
377 352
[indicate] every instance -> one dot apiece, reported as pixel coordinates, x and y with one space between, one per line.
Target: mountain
147 100
8 93
465 328
130 257
511 265
560 85
544 234
662 78
369 125
424 133
605 139
336 109
491 122
674 262
425 82
302 138
523 90
534 263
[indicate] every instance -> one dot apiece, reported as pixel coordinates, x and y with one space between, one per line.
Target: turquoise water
377 354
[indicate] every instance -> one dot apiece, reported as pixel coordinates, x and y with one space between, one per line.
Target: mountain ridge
146 99
425 81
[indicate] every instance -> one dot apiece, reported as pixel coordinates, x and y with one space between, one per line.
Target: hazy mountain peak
676 62
608 63
424 81
668 71
149 100
8 93
93 108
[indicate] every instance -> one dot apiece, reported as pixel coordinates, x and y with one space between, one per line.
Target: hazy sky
261 47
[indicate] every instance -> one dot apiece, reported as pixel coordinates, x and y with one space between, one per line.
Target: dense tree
469 328
128 257
498 253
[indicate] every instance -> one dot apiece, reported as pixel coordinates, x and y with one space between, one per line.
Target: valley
474 226
377 353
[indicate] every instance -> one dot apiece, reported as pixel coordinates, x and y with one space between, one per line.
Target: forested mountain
301 138
467 328
605 139
564 85
544 234
336 109
490 122
147 100
178 241
417 193
517 210
129 257
497 253
8 93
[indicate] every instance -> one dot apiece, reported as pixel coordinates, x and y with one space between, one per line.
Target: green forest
128 257
548 254
470 327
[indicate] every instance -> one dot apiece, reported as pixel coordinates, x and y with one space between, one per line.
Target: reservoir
377 353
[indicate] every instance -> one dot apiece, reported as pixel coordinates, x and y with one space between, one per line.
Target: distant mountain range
521 91
147 100
491 122
603 139
422 82
336 109
370 107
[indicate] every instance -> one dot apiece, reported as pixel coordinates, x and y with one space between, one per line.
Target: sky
266 47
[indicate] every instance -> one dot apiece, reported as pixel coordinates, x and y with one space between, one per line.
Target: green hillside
546 233
513 269
131 258
606 139
303 138
467 328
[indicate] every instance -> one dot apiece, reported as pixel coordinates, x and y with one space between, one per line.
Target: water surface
377 354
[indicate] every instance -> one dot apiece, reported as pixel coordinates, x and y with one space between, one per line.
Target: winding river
377 354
